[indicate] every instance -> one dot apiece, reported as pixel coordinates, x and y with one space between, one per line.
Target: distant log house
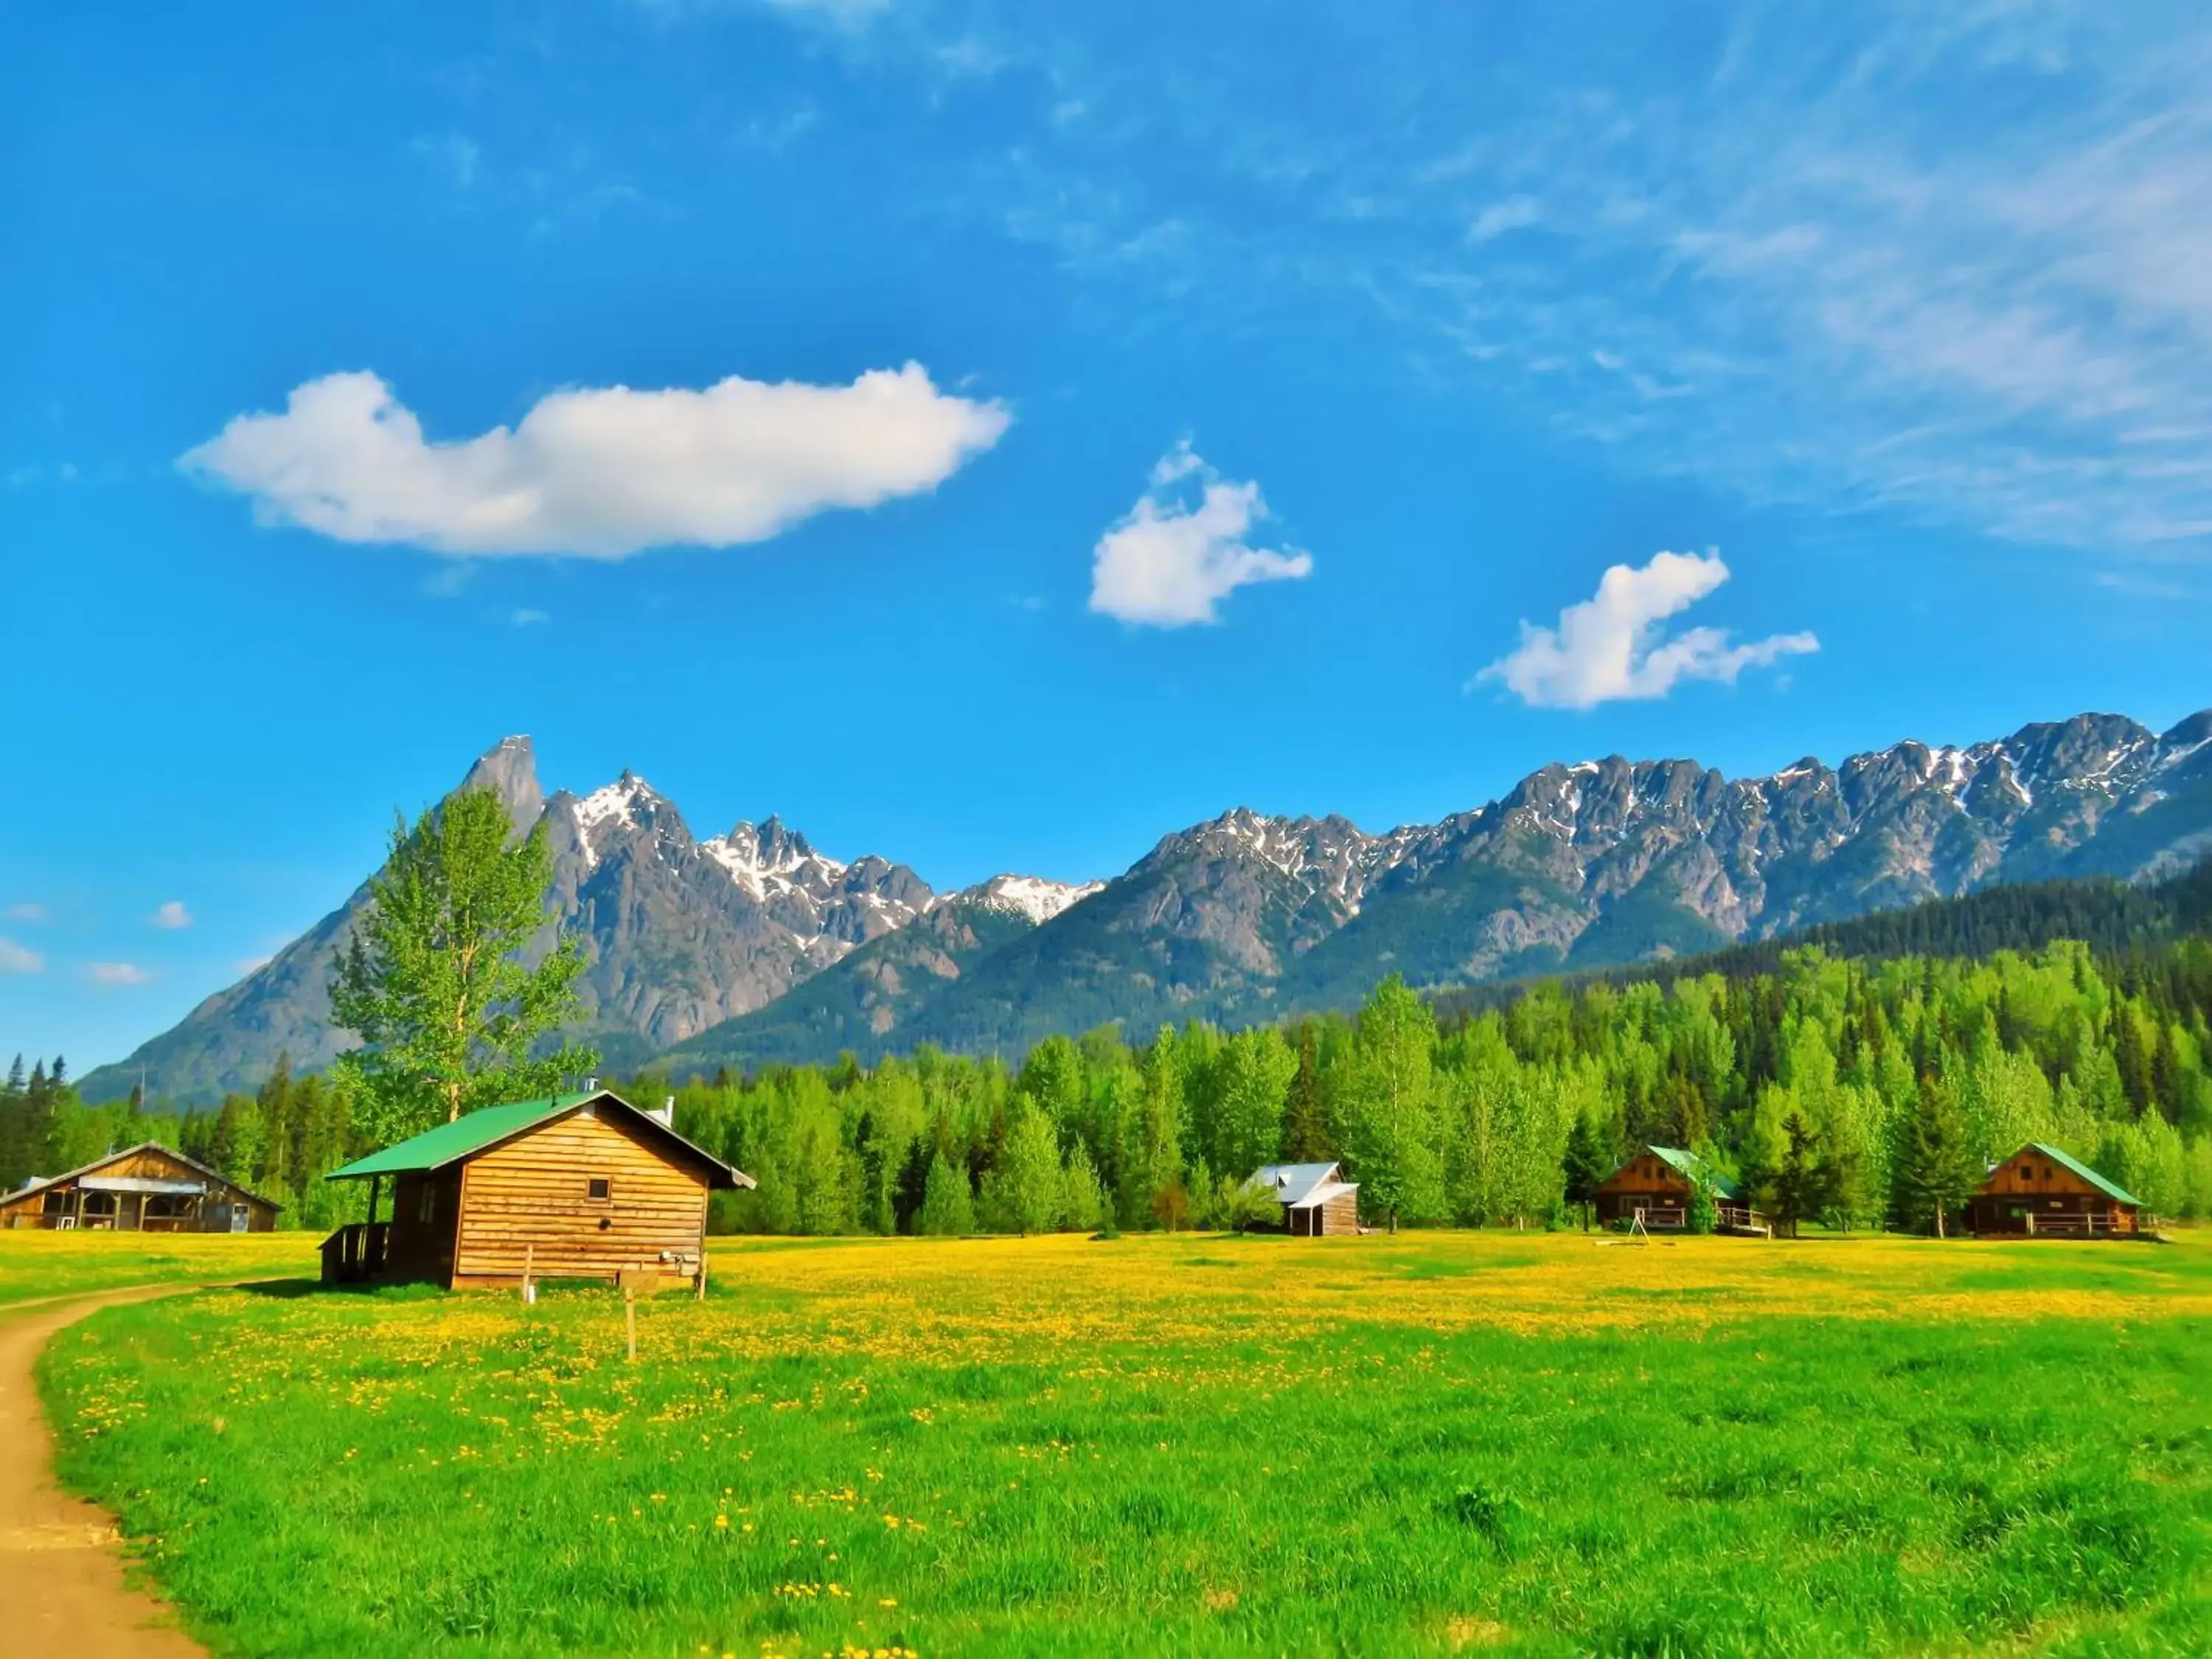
2040 1191
576 1186
149 1188
1657 1183
1316 1201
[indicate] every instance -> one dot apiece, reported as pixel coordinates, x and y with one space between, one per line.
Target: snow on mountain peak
612 804
768 861
1034 897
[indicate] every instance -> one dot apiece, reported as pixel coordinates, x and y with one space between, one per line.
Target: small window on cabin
599 1187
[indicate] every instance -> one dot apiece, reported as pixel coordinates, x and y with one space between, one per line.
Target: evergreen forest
1857 1091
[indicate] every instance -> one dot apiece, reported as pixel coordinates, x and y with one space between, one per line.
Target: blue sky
1045 426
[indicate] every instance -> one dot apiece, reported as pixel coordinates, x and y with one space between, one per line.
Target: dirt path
62 1589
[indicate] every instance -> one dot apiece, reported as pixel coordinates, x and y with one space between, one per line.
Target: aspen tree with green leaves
434 979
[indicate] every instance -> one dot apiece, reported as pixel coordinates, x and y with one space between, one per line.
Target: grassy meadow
36 1265
1439 1442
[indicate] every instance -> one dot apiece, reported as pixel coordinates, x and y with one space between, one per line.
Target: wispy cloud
1181 548
1614 648
172 914
1954 264
19 958
1513 213
456 158
600 473
32 913
117 976
527 617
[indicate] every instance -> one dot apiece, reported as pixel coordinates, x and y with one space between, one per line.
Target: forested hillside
2115 918
1822 1080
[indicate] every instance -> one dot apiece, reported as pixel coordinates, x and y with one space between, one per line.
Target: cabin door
239 1217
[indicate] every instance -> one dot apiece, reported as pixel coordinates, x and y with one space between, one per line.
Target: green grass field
36 1265
1434 1444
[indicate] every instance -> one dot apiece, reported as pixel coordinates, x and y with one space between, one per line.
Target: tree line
1857 1091
1849 1094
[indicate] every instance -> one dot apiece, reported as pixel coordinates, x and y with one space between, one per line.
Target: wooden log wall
533 1196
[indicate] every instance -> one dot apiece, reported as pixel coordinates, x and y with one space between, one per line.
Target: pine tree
913 1185
1306 1127
1587 1163
2128 1056
948 1207
1083 1198
1796 1185
1935 1171
274 1101
1028 1173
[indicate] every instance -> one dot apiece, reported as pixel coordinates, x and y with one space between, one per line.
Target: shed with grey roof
1316 1200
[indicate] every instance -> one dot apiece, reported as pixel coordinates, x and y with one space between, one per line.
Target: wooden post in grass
702 1270
629 1319
529 1262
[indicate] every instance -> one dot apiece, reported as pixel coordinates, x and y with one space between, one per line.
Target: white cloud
1611 647
597 472
19 958
1181 550
527 617
172 914
115 974
25 913
1514 213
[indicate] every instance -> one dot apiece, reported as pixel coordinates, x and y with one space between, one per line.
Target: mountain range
750 947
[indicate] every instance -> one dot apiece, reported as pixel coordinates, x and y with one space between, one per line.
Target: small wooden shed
1316 1200
576 1186
1657 1183
148 1188
2041 1192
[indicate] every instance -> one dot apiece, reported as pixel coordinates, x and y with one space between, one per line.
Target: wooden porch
356 1252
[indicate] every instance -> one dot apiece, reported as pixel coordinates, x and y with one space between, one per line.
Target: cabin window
599 1187
425 1203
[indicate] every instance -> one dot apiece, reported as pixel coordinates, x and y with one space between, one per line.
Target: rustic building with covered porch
1658 1183
148 1188
574 1186
2043 1192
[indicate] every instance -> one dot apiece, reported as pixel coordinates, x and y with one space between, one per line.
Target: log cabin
1658 1181
1317 1202
148 1188
2040 1191
575 1186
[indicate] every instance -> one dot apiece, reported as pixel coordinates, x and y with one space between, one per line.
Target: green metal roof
2058 1156
1693 1166
435 1148
465 1137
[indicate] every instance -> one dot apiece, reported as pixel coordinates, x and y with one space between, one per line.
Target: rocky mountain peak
768 858
509 769
1247 916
